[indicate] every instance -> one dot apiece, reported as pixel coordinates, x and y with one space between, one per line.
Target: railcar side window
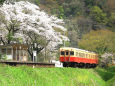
77 54
62 52
94 56
81 55
71 53
85 55
88 56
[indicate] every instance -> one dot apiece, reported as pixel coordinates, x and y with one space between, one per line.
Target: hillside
27 76
51 24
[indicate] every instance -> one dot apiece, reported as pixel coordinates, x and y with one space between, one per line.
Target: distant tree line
81 16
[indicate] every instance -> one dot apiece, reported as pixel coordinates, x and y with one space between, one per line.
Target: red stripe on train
78 60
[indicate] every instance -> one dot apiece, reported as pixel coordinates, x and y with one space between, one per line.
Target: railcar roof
77 49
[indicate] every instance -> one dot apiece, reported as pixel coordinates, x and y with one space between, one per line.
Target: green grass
27 76
111 82
108 75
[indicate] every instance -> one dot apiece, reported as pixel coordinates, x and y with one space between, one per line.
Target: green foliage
67 44
89 3
83 15
98 15
61 12
10 36
1 1
111 82
0 55
26 76
111 22
3 57
37 2
89 14
40 57
59 30
109 6
100 41
73 8
106 73
73 36
20 40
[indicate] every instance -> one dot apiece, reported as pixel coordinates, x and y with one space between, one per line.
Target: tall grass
27 76
107 74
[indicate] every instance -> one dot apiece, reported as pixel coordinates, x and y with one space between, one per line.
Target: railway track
32 64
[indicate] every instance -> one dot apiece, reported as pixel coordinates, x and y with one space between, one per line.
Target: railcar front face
66 55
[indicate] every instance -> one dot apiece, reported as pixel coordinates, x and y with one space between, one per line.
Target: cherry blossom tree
26 21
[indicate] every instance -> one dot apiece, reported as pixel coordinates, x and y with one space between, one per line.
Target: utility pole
45 49
0 39
64 40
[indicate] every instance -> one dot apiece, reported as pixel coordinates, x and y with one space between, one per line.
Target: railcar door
71 55
67 56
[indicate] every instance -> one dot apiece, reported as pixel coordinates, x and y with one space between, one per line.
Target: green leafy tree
73 8
100 41
61 12
37 2
98 15
109 6
9 37
111 22
1 1
89 3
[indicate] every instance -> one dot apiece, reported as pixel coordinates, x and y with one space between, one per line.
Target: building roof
15 46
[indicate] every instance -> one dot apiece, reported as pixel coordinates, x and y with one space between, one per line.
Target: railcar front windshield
62 53
67 52
71 53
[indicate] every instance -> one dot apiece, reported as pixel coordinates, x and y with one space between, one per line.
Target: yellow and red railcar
78 57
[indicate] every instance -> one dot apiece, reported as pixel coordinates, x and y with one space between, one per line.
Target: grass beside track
108 75
27 76
111 82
